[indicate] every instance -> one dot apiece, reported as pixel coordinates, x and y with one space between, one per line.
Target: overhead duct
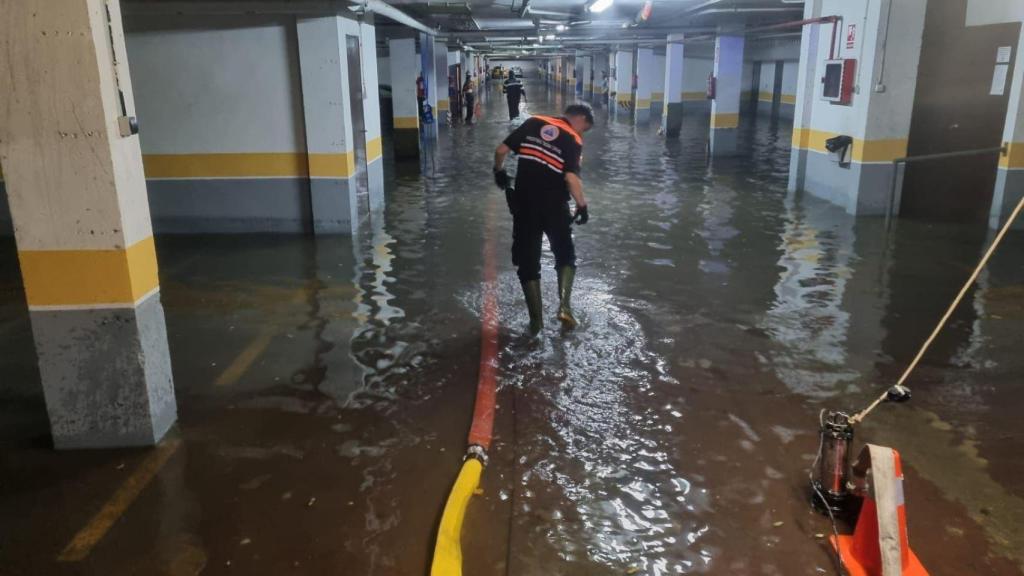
391 13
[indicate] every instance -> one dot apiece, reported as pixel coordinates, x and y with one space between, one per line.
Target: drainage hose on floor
448 549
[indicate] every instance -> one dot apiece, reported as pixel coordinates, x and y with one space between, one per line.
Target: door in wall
355 95
955 110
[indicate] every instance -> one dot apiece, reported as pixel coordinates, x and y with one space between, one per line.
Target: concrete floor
325 385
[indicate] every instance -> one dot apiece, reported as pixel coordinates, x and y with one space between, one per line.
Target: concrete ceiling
538 27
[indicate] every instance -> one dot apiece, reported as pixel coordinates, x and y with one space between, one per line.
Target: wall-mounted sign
1003 54
851 36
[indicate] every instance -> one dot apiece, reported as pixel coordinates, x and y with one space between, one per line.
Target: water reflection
807 318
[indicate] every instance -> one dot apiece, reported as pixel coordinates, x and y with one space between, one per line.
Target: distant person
514 92
469 96
421 93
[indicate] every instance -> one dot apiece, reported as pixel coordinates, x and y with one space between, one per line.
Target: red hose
482 429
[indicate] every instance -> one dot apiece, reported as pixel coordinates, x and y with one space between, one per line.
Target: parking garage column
327 108
623 90
672 119
725 108
77 193
1010 177
600 95
405 108
587 64
427 67
441 82
645 71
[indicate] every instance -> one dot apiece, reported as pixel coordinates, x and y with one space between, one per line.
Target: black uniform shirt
514 88
547 148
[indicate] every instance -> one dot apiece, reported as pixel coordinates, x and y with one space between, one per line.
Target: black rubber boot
566 275
531 289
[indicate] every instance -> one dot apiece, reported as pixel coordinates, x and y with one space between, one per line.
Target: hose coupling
476 451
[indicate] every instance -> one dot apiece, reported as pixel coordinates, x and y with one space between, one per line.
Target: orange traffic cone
879 546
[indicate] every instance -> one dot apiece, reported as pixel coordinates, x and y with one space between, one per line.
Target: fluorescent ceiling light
599 6
549 37
561 27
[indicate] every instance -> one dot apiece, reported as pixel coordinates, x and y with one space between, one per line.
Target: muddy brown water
670 434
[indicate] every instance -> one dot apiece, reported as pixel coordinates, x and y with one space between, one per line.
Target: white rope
858 417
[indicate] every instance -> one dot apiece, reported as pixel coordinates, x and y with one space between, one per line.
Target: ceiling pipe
747 11
391 13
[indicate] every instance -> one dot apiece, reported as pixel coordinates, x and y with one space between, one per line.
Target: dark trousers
535 216
513 107
470 105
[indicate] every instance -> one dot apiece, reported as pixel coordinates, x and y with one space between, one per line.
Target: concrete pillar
878 120
403 97
658 90
645 72
327 108
587 63
602 80
371 116
1010 178
672 119
441 82
81 215
725 108
623 84
577 73
427 68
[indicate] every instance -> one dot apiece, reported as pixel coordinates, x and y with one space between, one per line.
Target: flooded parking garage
325 384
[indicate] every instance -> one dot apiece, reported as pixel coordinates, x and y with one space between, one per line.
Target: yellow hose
448 550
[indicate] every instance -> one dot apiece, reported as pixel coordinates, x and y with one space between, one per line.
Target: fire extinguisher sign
851 36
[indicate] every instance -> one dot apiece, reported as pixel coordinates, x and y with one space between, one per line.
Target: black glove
510 197
582 215
501 178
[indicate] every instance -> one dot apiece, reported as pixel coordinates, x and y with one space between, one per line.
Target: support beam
672 118
427 64
587 63
878 121
725 108
645 72
441 82
602 79
403 97
1010 179
330 150
81 216
622 97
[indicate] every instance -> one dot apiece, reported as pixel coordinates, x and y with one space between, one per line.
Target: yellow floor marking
86 538
240 365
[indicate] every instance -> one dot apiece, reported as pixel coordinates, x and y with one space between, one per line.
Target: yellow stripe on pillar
337 165
789 98
69 279
643 103
879 150
407 122
725 121
694 96
442 105
374 149
1014 157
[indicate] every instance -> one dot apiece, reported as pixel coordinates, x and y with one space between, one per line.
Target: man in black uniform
513 89
550 151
